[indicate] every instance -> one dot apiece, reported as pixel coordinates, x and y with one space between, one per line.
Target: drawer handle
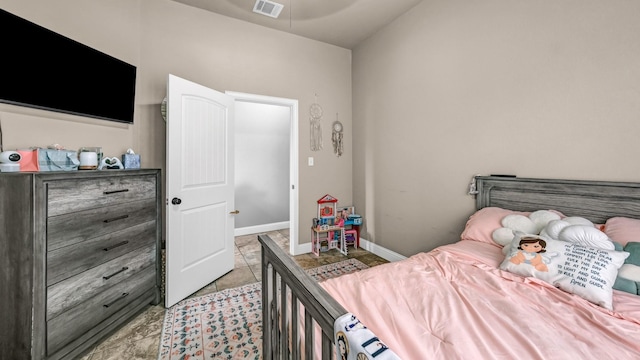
109 192
116 218
116 300
115 273
116 245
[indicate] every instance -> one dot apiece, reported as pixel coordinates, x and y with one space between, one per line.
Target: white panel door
200 187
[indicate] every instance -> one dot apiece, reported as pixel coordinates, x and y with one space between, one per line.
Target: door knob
176 201
235 212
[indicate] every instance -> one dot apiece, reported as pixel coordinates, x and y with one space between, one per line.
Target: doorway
267 165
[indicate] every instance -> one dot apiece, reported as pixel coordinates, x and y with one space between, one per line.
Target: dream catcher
316 129
336 137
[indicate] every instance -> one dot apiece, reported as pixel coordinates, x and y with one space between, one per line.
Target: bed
465 300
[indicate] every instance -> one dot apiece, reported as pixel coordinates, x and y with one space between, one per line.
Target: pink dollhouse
329 224
327 208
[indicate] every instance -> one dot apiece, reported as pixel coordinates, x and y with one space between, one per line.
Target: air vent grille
268 8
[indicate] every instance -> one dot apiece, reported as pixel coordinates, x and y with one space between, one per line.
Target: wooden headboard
594 200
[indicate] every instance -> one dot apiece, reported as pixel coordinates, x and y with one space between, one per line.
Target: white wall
459 87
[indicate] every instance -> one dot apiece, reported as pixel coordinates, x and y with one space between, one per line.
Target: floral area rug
226 324
336 269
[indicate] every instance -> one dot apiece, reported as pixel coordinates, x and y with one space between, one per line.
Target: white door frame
293 158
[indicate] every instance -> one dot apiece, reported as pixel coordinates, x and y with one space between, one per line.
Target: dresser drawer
79 288
68 229
74 195
71 260
77 320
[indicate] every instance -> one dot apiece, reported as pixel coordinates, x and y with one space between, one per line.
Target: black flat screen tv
42 69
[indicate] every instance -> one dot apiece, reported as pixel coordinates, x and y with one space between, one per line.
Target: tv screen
42 69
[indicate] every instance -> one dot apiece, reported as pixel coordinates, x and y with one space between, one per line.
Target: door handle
176 201
235 212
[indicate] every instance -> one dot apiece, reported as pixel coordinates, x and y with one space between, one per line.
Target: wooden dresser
79 257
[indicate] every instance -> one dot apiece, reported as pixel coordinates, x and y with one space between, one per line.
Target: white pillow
630 271
502 236
553 228
519 223
506 249
586 235
542 217
577 220
582 270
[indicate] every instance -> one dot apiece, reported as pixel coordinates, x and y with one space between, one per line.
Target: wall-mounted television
42 69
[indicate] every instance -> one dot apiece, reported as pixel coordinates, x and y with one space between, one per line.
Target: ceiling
344 23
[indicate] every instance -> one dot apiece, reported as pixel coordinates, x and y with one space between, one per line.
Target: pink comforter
454 303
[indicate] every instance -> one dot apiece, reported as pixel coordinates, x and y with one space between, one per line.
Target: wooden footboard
285 287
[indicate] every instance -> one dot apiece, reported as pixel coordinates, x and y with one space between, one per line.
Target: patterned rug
227 324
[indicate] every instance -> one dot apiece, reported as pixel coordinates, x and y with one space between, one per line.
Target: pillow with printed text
588 272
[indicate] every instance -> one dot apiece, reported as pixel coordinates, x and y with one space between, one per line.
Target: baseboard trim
258 229
365 244
381 251
302 249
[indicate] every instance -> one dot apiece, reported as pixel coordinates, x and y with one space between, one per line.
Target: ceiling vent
268 8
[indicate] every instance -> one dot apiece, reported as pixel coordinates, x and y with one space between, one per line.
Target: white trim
259 229
365 244
293 158
302 249
381 251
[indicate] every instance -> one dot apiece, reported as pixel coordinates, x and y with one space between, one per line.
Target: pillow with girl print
585 271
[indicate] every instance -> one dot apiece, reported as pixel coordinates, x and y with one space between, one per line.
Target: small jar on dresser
79 257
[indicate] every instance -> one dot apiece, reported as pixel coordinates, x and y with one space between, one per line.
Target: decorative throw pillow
633 248
502 236
483 222
531 224
586 235
553 228
582 270
542 217
578 220
624 284
629 274
520 223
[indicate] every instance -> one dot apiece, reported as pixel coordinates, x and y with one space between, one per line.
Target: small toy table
332 242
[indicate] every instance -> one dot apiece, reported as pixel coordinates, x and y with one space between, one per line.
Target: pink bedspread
454 303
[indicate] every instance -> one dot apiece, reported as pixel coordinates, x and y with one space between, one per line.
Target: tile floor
140 339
